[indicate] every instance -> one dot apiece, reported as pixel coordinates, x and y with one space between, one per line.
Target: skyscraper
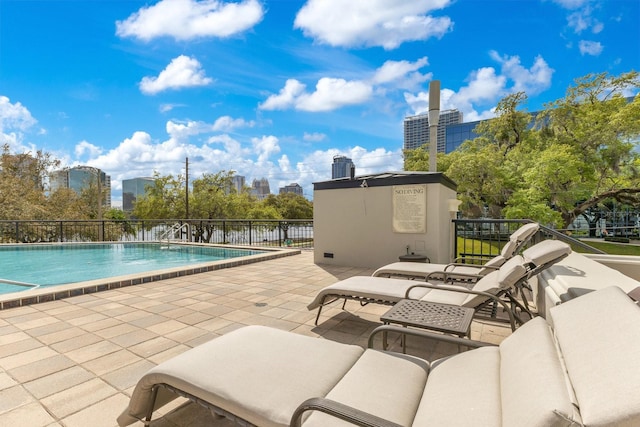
238 182
341 167
291 188
416 129
132 189
260 188
80 178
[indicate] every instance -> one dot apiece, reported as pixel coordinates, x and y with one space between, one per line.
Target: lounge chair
511 276
583 371
436 271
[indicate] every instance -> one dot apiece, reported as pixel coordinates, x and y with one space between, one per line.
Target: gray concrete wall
354 226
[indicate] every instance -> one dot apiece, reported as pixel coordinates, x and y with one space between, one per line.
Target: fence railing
281 233
474 238
480 239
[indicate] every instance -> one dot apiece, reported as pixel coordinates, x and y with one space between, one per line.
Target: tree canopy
578 153
213 196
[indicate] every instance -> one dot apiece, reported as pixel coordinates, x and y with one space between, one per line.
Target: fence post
224 232
61 238
280 233
17 231
250 230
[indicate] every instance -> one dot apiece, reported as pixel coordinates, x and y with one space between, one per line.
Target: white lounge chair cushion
533 384
492 264
375 288
546 251
259 374
463 390
606 385
422 269
387 385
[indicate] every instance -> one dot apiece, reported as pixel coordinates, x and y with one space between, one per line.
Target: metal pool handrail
13 282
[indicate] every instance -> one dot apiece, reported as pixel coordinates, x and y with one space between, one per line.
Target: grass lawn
613 248
470 246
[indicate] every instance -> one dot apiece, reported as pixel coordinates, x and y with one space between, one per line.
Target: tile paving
74 362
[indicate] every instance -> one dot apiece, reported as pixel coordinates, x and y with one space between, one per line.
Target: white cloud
402 74
165 108
141 155
571 4
386 23
85 147
228 123
264 147
532 81
286 98
189 19
314 137
14 116
590 48
583 20
182 72
330 94
15 120
485 86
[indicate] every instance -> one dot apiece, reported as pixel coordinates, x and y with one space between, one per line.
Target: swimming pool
27 267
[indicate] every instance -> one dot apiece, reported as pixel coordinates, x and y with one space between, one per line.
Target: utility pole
186 189
434 117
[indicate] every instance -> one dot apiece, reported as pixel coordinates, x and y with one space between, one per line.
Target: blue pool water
51 265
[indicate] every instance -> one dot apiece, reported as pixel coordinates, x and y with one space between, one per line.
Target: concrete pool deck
74 362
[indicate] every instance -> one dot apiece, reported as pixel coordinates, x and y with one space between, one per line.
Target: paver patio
74 362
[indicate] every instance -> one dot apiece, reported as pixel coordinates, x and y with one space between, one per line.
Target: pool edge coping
99 285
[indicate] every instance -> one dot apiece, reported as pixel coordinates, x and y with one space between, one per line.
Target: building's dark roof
385 179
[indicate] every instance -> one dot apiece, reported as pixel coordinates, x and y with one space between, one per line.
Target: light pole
434 116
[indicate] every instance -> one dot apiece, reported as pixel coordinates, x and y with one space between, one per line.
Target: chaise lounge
511 276
582 370
436 271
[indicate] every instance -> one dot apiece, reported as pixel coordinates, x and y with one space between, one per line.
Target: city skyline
276 89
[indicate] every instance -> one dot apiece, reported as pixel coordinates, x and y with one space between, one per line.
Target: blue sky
275 89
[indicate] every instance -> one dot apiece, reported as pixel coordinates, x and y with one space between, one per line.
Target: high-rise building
80 178
342 167
260 188
238 182
416 129
291 188
132 189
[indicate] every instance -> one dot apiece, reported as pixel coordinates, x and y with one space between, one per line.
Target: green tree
22 184
290 205
580 152
165 199
596 130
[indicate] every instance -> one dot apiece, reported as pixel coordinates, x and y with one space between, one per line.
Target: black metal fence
281 233
474 238
480 239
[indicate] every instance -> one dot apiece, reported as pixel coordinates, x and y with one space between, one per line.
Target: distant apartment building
80 178
342 167
294 188
238 183
132 189
260 188
416 129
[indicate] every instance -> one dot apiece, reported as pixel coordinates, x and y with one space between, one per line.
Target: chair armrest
338 410
512 318
478 258
452 276
462 264
425 334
